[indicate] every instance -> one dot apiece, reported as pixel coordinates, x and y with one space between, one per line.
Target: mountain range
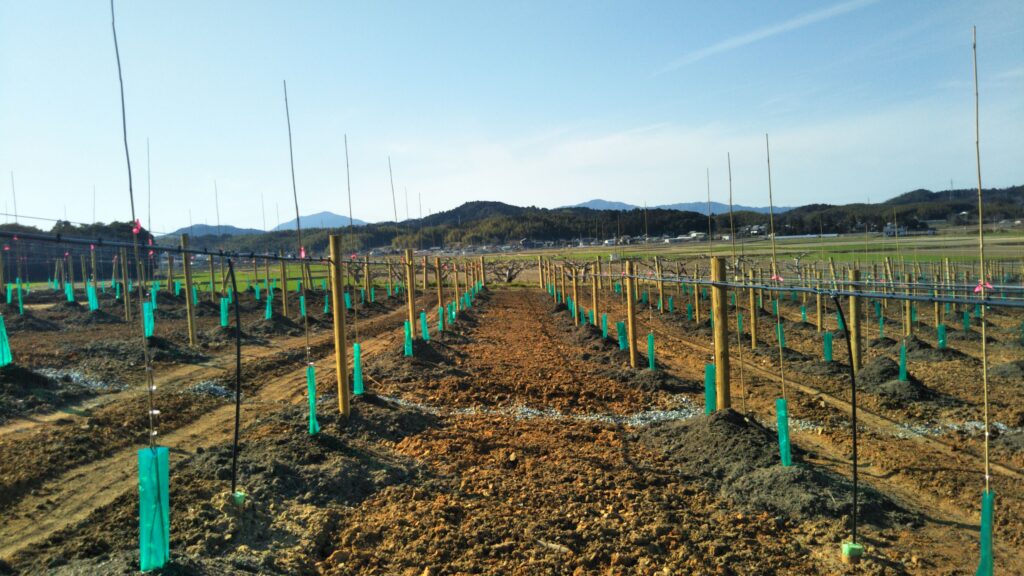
320 220
698 207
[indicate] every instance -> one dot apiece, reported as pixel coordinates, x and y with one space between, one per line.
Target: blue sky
532 103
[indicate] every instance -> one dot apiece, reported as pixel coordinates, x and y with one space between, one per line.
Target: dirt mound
739 458
884 343
160 349
653 380
918 349
23 391
1013 370
219 336
820 368
881 376
771 351
969 335
277 325
29 322
1013 441
434 359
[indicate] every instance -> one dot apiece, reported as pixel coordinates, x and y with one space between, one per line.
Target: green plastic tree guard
195 296
148 322
942 336
68 291
689 311
177 289
5 345
424 327
803 314
117 290
314 426
828 346
671 305
373 294
739 323
362 295
710 392
840 323
408 339
775 306
986 561
620 329
348 301
154 508
903 362
782 416
90 291
878 309
302 306
780 333
224 303
268 310
357 369
327 304
10 292
967 321
604 326
650 351
440 319
21 302
913 313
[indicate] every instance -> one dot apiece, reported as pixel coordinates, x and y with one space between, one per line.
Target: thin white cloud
742 40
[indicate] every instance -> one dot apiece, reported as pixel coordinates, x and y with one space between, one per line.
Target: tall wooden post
455 280
661 285
424 276
594 287
696 302
126 294
213 291
189 312
483 272
575 299
854 322
284 286
908 318
338 312
597 274
631 312
753 310
719 311
410 296
366 279
437 278
817 302
540 271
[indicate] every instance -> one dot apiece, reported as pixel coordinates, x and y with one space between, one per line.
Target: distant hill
320 220
698 207
207 230
598 204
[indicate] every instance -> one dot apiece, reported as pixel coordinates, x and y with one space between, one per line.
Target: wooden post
455 285
753 310
631 312
437 278
284 288
189 312
561 275
366 279
126 295
213 292
92 257
661 285
817 299
338 312
595 285
854 322
410 296
719 311
483 272
908 319
387 262
575 299
597 273
540 271
424 276
696 303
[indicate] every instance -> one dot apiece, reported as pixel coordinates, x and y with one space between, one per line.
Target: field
515 441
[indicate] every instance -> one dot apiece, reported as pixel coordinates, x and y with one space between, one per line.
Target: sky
530 102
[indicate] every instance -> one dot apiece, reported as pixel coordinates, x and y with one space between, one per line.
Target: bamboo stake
631 312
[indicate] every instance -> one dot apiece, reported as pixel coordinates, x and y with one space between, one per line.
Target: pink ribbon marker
92 247
302 252
980 284
137 227
776 277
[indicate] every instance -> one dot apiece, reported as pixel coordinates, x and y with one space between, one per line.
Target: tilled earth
516 442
